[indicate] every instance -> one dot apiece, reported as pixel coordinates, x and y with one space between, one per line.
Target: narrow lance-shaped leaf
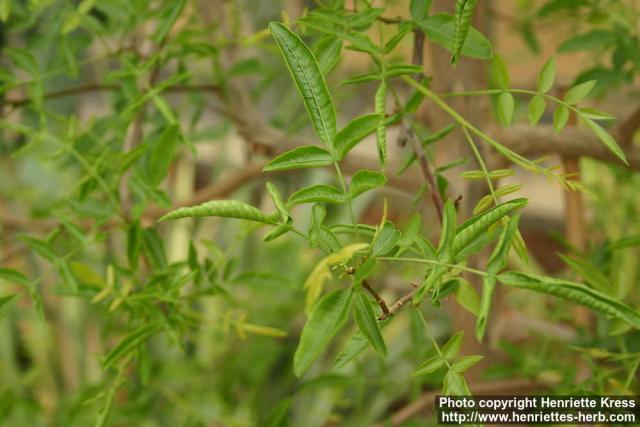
579 92
221 208
381 131
606 139
572 291
328 317
5 302
317 193
536 109
308 156
497 261
368 324
547 75
309 80
354 132
130 343
464 14
355 346
560 118
440 28
315 282
277 201
506 105
448 229
478 224
365 180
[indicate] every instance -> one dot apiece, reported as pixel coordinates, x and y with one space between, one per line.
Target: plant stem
381 302
433 340
346 193
508 153
435 262
483 166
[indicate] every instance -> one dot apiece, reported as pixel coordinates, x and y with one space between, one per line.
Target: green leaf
317 193
309 80
169 16
590 273
5 302
440 29
579 92
467 297
560 118
24 59
448 229
606 139
161 154
129 344
322 271
419 9
429 366
328 316
381 131
592 40
547 75
354 347
365 180
466 362
575 292
365 269
403 30
14 276
497 261
499 73
5 10
386 239
536 109
592 113
479 224
354 132
395 70
221 208
278 202
368 324
625 242
134 244
506 105
463 17
452 347
308 156
277 231
454 384
328 52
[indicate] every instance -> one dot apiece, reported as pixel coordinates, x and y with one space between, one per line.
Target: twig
401 302
97 87
381 302
417 59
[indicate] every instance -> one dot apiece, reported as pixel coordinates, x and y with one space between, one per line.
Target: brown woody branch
381 302
572 142
400 303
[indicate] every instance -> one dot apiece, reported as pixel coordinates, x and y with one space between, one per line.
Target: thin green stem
433 340
508 153
485 92
346 193
481 162
435 262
